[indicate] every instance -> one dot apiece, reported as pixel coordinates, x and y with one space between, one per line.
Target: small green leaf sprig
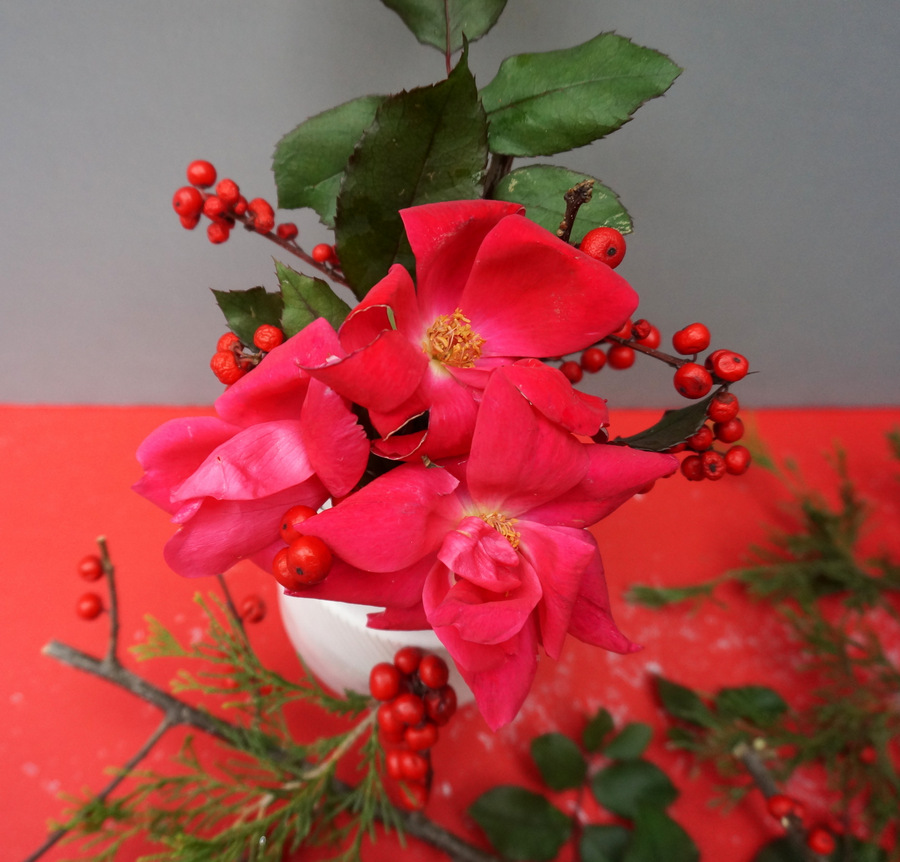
524 825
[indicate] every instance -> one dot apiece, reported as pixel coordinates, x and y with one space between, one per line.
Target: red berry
392 763
214 207
641 329
225 366
268 337
409 708
414 795
189 222
287 231
868 755
385 681
624 331
692 380
262 215
89 606
692 468
283 573
388 723
593 359
723 407
572 371
433 671
240 206
322 253
422 737
730 431
187 202
821 841
440 705
201 173
694 338
293 517
310 558
606 244
713 465
652 339
228 192
408 659
414 766
91 568
728 365
228 341
218 232
780 805
620 356
252 609
737 460
701 440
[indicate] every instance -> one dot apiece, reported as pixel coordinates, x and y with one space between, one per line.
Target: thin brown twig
576 197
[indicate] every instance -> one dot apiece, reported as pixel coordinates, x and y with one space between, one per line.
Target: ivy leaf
657 836
305 299
540 104
603 843
683 703
429 20
596 730
674 428
427 145
247 310
521 824
309 161
625 786
630 743
755 703
561 764
540 189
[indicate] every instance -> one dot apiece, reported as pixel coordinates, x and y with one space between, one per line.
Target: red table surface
66 476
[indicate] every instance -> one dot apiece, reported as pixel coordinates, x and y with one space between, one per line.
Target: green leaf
661 597
427 145
596 730
430 20
521 824
683 703
674 428
603 843
540 189
309 161
540 104
630 743
657 836
625 786
561 764
754 703
305 299
247 310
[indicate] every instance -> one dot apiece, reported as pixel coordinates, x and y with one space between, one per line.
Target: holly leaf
657 836
630 743
446 24
625 786
309 161
596 730
247 310
674 428
540 104
603 843
424 146
540 189
755 703
305 299
521 824
559 760
683 703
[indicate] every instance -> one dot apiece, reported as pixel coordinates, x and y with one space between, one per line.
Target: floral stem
112 657
576 197
674 361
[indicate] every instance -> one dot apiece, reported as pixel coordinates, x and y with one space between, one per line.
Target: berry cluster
233 359
90 604
305 560
784 808
415 701
705 462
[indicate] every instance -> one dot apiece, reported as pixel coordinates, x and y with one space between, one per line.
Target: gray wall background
765 186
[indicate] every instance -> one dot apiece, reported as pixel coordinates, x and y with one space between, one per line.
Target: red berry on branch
292 519
713 465
652 339
385 681
606 244
310 558
694 338
572 370
201 173
322 253
727 365
228 192
240 206
422 737
408 659
641 329
433 671
252 609
730 431
409 708
821 841
287 231
701 440
283 573
261 214
218 232
593 359
214 207
393 764
267 337
228 341
692 468
89 606
440 705
413 794
624 331
868 755
225 366
692 380
187 202
91 567
414 766
620 356
780 805
388 723
737 460
189 222
724 406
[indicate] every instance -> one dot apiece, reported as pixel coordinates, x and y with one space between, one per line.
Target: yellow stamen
450 340
503 525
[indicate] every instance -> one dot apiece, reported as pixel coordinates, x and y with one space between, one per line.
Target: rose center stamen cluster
451 340
503 525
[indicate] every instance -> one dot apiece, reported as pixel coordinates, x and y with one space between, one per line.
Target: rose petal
592 620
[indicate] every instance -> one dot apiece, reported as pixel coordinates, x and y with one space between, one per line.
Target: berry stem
575 198
112 657
674 361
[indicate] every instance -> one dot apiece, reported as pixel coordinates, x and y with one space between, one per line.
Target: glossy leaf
427 145
755 703
559 760
597 729
657 836
540 189
307 298
626 785
630 743
309 161
683 703
603 843
429 20
247 310
674 428
521 824
540 104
